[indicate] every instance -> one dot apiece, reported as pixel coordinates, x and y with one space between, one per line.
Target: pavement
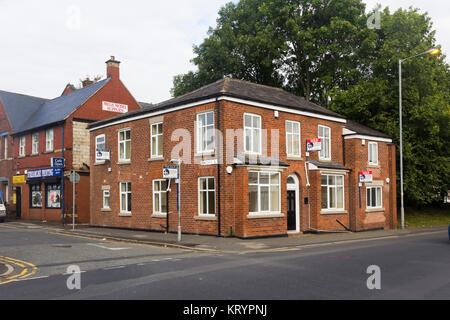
213 244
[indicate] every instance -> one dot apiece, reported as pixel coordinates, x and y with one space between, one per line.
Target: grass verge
425 217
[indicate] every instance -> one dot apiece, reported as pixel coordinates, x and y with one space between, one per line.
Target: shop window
332 192
264 192
207 196
374 197
159 196
35 196
53 196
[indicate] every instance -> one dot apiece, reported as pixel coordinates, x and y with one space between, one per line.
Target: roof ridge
262 85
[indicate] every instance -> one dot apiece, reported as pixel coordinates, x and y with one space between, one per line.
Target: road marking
28 269
112 268
107 248
25 279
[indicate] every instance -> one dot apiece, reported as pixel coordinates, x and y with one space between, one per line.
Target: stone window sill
325 212
371 165
206 218
155 159
265 216
99 163
124 163
294 158
49 151
125 214
106 209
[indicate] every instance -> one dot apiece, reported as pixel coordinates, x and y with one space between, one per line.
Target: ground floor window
53 195
159 196
125 197
332 192
373 195
35 196
105 199
207 196
264 192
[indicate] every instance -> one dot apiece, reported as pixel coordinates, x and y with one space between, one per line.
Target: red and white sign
365 176
114 107
313 144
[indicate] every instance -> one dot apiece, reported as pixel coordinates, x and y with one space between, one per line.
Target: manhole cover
62 246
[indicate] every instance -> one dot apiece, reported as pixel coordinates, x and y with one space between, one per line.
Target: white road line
112 268
107 248
42 277
68 274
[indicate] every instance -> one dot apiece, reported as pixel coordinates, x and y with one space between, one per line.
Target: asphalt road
411 267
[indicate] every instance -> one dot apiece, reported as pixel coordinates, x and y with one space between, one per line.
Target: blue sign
44 173
57 162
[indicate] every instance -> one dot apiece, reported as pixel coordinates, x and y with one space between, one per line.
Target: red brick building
245 171
38 130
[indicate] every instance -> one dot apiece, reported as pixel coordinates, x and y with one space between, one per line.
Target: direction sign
57 162
170 172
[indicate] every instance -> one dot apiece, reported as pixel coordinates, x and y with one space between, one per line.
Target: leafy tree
426 109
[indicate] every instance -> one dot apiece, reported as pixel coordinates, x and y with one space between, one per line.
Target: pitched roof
19 107
237 89
27 113
363 130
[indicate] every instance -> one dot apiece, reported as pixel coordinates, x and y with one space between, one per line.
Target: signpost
74 178
174 172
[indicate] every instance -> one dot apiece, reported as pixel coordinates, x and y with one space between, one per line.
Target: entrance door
18 202
291 211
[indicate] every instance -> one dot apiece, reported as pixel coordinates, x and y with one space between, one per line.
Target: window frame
35 144
47 185
335 186
119 142
246 149
325 157
49 139
104 197
22 146
157 135
292 122
369 147
97 143
259 185
207 190
369 193
159 211
128 191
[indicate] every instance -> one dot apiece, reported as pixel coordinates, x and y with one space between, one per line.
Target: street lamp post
432 52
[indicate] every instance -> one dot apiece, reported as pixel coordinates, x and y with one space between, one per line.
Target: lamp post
433 51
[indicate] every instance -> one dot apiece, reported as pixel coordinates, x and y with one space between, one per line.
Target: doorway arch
293 204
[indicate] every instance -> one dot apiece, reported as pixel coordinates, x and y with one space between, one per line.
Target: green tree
426 109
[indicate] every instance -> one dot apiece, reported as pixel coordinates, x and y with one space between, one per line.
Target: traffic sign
74 177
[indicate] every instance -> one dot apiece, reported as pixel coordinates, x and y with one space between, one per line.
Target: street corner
12 269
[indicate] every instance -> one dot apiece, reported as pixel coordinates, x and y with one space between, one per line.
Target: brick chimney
87 82
112 68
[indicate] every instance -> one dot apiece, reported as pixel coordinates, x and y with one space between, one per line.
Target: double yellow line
27 268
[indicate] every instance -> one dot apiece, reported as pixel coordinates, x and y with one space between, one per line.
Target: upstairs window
373 153
6 147
35 143
252 132
22 146
205 132
325 135
125 145
157 140
293 138
100 142
49 140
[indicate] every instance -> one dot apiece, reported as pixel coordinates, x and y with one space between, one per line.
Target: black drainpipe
218 167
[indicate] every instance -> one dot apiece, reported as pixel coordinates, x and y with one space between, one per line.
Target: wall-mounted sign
170 172
313 145
114 107
44 173
101 155
57 162
365 176
208 162
19 179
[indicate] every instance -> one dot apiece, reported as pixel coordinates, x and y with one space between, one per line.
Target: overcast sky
47 43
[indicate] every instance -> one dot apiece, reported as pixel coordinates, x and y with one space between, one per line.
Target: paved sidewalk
213 243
